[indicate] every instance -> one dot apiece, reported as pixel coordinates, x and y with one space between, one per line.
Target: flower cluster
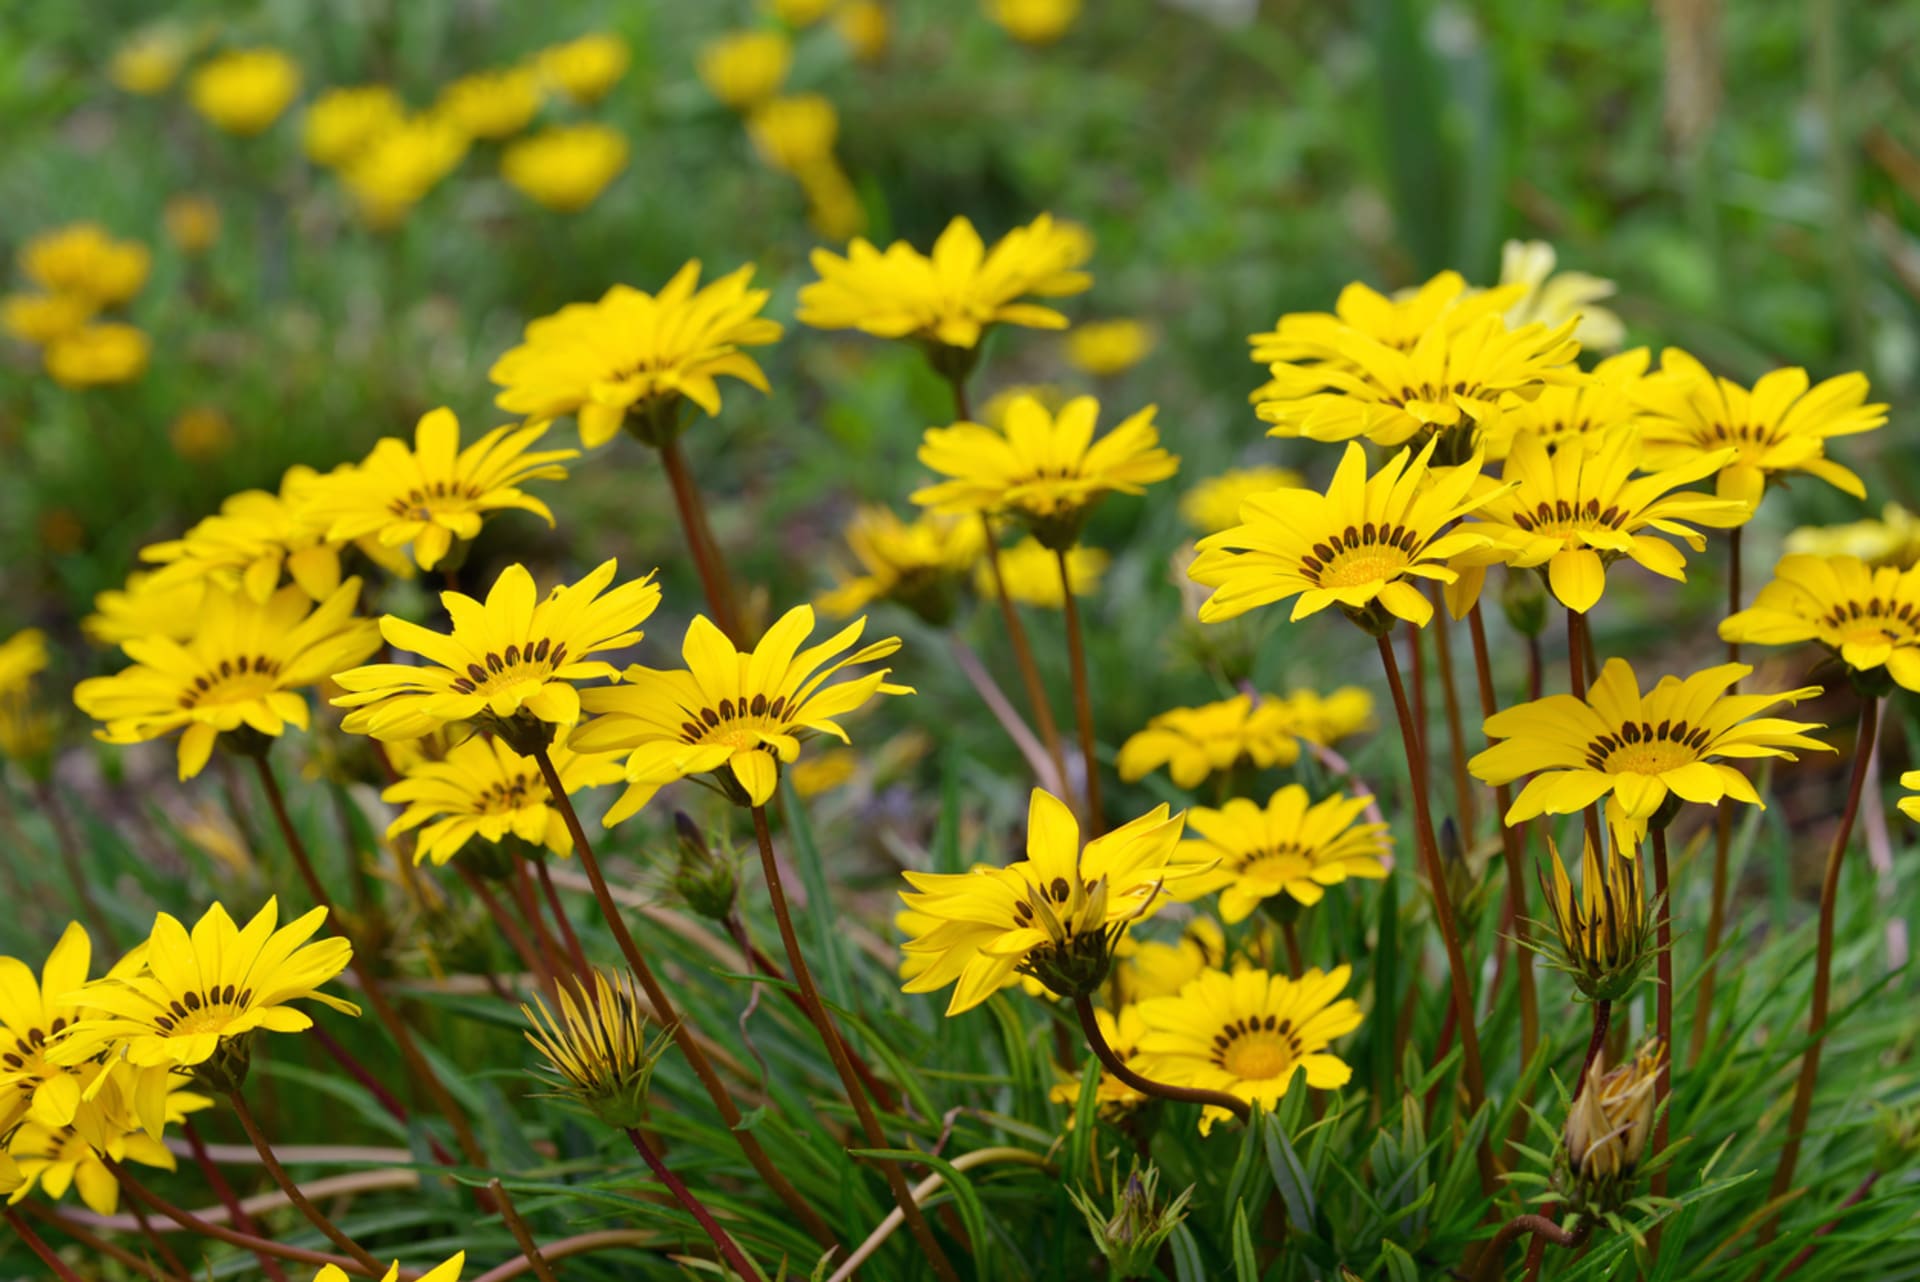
81 275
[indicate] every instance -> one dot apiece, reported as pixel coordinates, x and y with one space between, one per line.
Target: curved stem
233 1237
529 1249
217 1182
722 1241
1663 1006
1543 1231
837 1052
79 1233
1513 851
40 1248
707 559
315 1216
1097 1043
927 1188
579 1244
666 1013
1023 656
175 1266
1082 695
1722 837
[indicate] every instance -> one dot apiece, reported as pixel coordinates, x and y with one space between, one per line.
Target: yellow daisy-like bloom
199 989
254 538
447 1271
1580 509
585 68
491 104
1161 968
426 497
192 222
954 295
1054 914
1779 427
1031 573
400 165
1869 617
795 134
1034 22
483 788
98 356
104 1126
149 61
1214 737
1122 1035
41 319
83 259
1555 299
638 353
145 608
244 91
1396 322
1357 546
567 167
1248 1033
746 712
1109 347
1634 749
342 121
1328 719
513 659
865 26
825 771
1214 504
1046 470
23 656
1292 846
242 666
1891 539
596 1049
35 1011
745 68
1605 403
916 564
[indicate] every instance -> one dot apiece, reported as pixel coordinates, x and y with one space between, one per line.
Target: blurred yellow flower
1553 300
40 319
567 167
824 771
1108 347
98 355
105 1127
1395 321
491 104
343 120
484 789
23 656
256 535
865 26
1211 738
1328 719
1293 847
1031 573
1891 539
245 90
585 68
1157 968
833 206
745 68
144 608
1034 22
1910 804
400 165
994 412
800 13
192 222
915 564
1214 504
149 61
85 260
794 134
200 432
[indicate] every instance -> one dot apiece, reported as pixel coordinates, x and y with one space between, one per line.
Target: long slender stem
566 1247
722 1241
1082 693
707 559
1296 964
1023 656
40 1248
1536 668
1109 1060
1577 686
217 1182
315 1216
370 985
1722 837
536 961
160 1247
575 952
1853 1199
529 1249
1513 851
1543 1231
837 1052
1471 1069
79 1233
1004 712
1464 809
667 1014
1663 1004
234 1237
927 1188
1823 956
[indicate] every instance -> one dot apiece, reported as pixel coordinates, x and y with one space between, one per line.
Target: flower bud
1603 939
703 881
1524 601
1607 1131
596 1050
1139 1225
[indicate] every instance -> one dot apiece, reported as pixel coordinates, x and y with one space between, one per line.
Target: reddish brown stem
707 559
1082 693
1543 1231
388 1101
1023 657
575 952
234 1237
722 1241
1663 1004
301 1202
1464 810
41 1249
1513 851
1109 1060
1853 1199
217 1182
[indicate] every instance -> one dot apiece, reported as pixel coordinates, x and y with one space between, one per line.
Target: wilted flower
1607 1130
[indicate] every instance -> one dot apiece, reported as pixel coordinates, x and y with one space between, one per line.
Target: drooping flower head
1602 938
1214 504
1248 1034
1869 617
586 67
511 660
596 1049
35 1011
1553 299
565 168
917 564
636 356
242 665
484 789
1635 749
1054 915
1044 470
1360 546
745 712
1292 846
1212 738
248 545
425 497
1031 574
104 1126
1777 428
244 90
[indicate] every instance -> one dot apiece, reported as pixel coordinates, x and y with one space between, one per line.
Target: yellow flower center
205 1011
1640 747
513 794
424 502
1569 521
1277 865
234 681
1745 436
738 725
27 1057
1257 1049
513 666
1872 621
1360 555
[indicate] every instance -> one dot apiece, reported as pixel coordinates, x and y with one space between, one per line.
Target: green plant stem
723 1243
837 1051
927 1188
1722 838
315 1216
707 557
217 1182
1513 852
529 1249
665 1012
40 1248
1023 657
1543 1231
1082 693
1823 958
1109 1060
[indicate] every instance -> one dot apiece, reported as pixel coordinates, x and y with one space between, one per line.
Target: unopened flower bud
1604 938
1132 1235
1524 601
703 881
1607 1131
597 1049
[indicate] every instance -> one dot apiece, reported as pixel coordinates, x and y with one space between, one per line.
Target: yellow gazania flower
35 1011
1060 908
399 165
1122 1034
1779 427
255 536
794 134
241 666
825 771
1326 720
41 319
23 656
1031 573
1553 300
1396 322
747 712
1158 968
341 122
83 259
446 1271
1214 504
192 222
952 296
567 167
916 564
1869 617
149 61
491 104
1248 1033
1892 539
483 788
144 608
994 412
1288 847
426 497
10 1177
1044 469
1356 546
1910 805
98 356
743 68
865 26
199 989
1034 22
513 658
1634 749
638 353
586 67
1606 402
833 206
596 1049
1109 347
104 1126
245 90
1580 509
1213 737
